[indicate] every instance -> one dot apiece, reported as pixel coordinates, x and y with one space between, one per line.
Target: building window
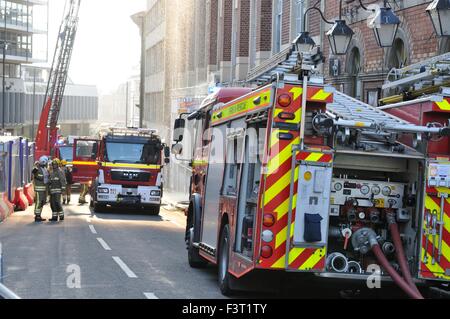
278 25
253 34
353 69
299 12
373 96
398 56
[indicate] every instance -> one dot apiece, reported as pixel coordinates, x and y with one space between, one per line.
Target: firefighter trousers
40 201
83 194
56 205
67 194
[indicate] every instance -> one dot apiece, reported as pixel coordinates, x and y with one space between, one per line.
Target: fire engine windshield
133 153
66 153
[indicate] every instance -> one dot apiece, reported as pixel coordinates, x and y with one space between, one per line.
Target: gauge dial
376 190
387 191
338 187
365 189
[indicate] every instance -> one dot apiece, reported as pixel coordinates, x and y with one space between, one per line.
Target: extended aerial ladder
47 134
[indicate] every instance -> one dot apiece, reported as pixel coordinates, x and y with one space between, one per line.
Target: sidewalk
176 200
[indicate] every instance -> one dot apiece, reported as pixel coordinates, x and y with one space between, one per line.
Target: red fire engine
297 177
124 166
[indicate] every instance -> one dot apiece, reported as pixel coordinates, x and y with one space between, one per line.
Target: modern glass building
23 41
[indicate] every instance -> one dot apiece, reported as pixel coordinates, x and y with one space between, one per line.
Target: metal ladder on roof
426 73
283 62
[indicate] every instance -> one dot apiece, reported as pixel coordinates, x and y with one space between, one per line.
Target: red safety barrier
20 200
6 208
29 193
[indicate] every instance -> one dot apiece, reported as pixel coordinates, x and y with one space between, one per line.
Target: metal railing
5 293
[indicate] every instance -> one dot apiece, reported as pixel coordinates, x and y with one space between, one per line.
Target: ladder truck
296 177
47 134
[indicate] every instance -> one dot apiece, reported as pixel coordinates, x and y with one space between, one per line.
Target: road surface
111 255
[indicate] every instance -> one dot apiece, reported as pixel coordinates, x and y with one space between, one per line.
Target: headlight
103 191
155 193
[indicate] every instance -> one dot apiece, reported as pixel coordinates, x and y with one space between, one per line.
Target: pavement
176 200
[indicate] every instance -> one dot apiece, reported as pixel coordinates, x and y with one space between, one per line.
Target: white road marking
150 295
104 244
124 267
92 228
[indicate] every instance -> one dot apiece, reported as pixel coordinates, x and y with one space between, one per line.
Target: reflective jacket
40 179
57 181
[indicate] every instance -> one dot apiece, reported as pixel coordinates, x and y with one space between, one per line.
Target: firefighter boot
54 218
61 217
39 219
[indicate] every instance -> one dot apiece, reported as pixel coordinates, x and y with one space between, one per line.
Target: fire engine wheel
154 210
223 262
194 258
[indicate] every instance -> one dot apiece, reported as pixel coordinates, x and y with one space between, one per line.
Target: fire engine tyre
225 278
194 258
154 210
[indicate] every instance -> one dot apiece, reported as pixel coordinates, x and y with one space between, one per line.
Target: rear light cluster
284 100
267 236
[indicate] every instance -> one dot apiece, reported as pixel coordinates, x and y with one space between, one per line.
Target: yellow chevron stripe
283 209
436 268
321 96
431 205
281 184
297 92
312 261
282 235
314 157
293 255
281 157
444 105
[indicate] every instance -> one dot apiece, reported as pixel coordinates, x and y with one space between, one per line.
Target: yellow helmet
63 163
56 161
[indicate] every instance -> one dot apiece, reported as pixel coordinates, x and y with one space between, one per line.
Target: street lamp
339 36
439 11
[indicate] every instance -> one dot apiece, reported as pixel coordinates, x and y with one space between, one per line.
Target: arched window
353 70
398 55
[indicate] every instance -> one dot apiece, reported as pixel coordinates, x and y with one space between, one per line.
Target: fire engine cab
294 176
125 167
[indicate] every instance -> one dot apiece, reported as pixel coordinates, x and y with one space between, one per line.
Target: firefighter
83 194
40 181
57 188
69 180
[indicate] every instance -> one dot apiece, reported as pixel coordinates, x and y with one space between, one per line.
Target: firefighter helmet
43 161
63 163
56 162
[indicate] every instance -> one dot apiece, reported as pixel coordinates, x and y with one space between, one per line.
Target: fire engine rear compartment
365 190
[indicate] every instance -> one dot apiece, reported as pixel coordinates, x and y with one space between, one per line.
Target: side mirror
166 151
178 130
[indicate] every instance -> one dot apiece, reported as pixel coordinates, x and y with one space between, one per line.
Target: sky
107 47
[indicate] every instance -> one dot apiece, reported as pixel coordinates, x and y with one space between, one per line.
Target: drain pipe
366 235
400 252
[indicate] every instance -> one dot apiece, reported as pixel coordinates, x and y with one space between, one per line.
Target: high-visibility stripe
281 157
321 96
278 186
296 92
82 163
314 157
432 205
436 269
141 166
444 105
313 260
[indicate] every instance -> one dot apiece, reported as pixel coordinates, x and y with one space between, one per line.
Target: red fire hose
395 276
401 257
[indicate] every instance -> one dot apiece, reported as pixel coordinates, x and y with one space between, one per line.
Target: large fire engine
297 177
125 168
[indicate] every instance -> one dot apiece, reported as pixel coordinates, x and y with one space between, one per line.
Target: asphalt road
119 254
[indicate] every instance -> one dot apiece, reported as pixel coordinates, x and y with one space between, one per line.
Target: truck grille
128 176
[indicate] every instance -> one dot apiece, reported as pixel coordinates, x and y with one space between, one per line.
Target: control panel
439 175
367 193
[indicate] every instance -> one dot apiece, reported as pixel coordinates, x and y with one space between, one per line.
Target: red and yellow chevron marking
276 199
438 270
443 106
315 157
